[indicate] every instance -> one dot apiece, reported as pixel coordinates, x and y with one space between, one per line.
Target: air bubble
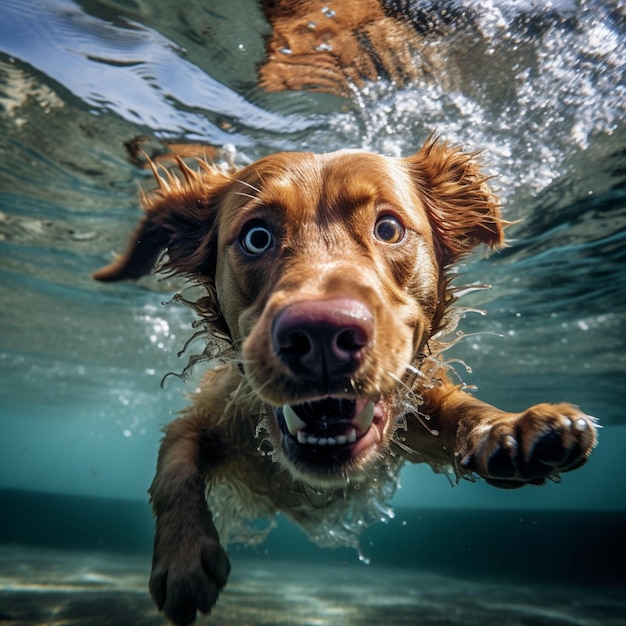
364 559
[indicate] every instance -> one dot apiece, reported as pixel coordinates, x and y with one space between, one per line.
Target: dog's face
329 274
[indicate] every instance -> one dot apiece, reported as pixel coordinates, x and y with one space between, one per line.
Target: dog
326 278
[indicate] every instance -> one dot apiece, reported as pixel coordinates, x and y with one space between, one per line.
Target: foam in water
557 88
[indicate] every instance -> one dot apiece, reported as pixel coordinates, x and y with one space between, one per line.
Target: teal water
81 405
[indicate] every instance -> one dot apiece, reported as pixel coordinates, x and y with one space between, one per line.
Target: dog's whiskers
254 188
247 195
251 396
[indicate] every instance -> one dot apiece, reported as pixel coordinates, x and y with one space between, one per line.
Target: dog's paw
540 443
189 570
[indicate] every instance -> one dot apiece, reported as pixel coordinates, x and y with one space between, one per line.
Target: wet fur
323 207
340 49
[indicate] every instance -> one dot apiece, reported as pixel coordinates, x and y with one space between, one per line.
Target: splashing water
547 87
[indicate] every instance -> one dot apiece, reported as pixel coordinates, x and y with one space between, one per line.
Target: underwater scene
91 372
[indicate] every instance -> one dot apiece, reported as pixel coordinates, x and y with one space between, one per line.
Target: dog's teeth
296 427
294 423
303 438
364 419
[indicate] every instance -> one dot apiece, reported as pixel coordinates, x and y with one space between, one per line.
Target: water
542 93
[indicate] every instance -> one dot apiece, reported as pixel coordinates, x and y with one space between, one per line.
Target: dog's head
329 272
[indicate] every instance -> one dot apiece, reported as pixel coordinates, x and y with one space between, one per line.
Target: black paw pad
501 464
549 448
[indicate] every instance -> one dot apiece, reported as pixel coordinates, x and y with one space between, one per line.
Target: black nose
322 339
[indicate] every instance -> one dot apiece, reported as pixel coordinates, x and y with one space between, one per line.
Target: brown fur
321 46
323 212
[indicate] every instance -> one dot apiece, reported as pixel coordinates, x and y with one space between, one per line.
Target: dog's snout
321 339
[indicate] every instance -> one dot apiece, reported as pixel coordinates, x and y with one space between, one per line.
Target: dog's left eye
255 238
388 229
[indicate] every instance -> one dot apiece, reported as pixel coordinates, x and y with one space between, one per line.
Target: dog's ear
462 209
179 218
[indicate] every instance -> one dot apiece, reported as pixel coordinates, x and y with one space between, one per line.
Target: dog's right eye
255 238
388 229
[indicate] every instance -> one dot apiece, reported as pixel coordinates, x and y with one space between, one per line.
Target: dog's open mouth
324 434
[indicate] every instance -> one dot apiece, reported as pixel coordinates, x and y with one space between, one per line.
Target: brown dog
328 274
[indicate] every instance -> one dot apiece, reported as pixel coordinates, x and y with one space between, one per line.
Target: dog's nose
321 339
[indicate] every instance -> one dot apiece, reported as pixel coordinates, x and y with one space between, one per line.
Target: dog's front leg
509 449
189 566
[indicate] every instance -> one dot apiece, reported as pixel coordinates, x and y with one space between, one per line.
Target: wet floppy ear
462 210
179 218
